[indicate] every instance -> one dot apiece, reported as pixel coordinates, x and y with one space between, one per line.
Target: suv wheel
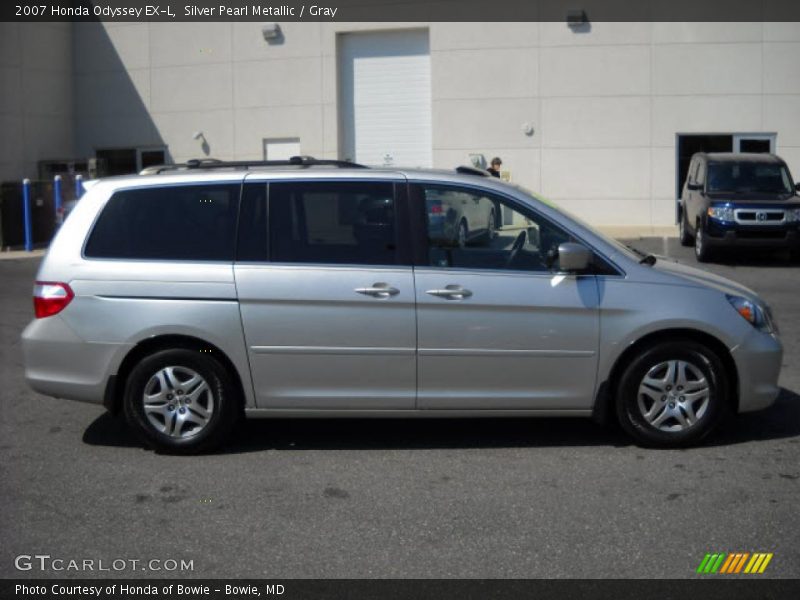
672 395
685 236
180 401
701 250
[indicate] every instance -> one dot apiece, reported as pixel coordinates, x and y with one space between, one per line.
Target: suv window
472 229
743 176
183 222
333 223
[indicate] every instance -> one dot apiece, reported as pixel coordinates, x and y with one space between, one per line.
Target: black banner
401 10
712 588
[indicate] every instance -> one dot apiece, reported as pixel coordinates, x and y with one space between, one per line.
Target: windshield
739 177
629 251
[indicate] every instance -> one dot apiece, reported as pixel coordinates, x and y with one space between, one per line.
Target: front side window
191 223
472 229
333 223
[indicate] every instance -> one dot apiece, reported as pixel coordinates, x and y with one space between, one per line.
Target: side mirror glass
573 257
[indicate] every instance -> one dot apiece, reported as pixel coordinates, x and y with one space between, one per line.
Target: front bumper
758 361
782 236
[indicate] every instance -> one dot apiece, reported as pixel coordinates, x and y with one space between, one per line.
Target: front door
326 295
497 328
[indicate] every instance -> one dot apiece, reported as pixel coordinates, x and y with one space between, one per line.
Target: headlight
793 215
758 316
723 213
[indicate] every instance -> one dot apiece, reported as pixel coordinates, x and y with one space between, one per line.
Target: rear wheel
672 395
685 236
180 401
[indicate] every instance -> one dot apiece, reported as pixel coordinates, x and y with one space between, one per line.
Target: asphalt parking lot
442 498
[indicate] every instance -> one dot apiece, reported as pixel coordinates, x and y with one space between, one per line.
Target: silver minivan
190 297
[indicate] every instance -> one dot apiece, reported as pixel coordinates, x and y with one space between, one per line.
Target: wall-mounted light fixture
199 135
528 129
271 32
577 18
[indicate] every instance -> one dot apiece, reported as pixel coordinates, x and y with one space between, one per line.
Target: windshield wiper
647 259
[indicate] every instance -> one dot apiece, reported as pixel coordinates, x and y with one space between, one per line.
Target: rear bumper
758 361
59 363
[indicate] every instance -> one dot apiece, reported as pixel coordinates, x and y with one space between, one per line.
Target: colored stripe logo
735 563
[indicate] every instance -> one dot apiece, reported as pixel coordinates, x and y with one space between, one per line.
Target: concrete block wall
36 116
605 104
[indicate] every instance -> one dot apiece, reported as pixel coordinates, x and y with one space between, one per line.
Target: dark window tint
168 223
332 222
471 229
252 244
117 161
743 176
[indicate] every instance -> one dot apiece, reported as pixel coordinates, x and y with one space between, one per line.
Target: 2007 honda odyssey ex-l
191 296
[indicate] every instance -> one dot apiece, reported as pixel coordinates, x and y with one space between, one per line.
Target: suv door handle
451 292
378 290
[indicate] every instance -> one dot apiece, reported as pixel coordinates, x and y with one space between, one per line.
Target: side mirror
797 186
573 257
694 186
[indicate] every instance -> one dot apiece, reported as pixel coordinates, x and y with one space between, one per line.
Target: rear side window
192 223
332 222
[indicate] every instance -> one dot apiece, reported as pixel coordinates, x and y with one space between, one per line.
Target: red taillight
50 298
435 209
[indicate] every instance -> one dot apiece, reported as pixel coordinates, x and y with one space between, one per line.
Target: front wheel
672 395
180 401
701 250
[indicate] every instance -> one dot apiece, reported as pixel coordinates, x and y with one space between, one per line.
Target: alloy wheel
178 402
673 395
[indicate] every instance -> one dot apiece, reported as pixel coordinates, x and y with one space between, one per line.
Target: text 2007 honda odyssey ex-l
188 297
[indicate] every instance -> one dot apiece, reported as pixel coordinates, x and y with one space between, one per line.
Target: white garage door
385 98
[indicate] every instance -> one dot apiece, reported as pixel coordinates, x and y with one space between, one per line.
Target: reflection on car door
329 321
504 336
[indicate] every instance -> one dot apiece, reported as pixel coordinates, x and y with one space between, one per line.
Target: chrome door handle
378 290
451 292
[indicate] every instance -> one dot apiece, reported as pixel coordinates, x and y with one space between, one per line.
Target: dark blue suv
733 199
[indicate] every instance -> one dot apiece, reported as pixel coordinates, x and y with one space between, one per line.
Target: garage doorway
385 98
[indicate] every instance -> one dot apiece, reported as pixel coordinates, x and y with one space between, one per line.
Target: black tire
702 252
225 407
687 239
629 406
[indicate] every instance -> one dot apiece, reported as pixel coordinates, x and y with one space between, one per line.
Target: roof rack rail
464 170
213 163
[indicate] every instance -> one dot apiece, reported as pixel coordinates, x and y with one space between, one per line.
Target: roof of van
308 168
